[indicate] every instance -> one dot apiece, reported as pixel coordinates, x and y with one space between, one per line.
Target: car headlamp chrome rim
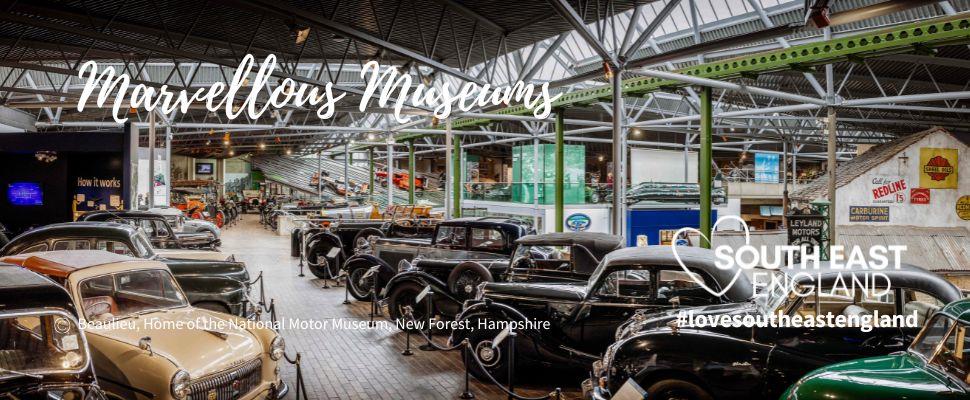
277 348
180 385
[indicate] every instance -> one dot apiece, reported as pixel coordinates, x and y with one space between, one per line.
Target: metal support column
619 147
535 182
560 170
784 181
168 161
456 178
411 172
704 166
832 141
370 165
449 173
319 176
151 159
346 171
390 175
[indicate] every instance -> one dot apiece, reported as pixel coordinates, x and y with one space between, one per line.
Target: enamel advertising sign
919 196
938 168
888 189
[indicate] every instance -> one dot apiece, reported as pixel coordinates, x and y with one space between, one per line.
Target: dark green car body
903 375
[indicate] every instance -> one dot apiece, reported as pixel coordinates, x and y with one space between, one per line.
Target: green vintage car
936 366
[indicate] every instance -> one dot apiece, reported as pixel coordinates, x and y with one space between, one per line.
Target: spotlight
231 153
600 158
288 151
262 146
371 137
208 142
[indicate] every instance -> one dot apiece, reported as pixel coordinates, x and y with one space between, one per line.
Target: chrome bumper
280 392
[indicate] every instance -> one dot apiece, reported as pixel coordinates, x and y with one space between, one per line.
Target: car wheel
321 266
463 281
495 359
362 240
212 306
404 295
358 286
676 389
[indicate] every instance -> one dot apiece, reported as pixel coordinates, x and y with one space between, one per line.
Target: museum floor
343 363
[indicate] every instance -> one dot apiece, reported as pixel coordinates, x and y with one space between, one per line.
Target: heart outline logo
695 277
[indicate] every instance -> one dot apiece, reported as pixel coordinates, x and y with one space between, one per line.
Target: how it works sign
938 168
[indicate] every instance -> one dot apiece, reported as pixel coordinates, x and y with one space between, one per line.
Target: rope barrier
556 394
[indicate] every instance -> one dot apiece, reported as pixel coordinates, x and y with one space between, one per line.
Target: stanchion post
512 364
347 291
326 283
302 250
430 310
467 394
407 333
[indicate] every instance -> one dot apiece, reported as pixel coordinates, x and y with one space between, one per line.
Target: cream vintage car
149 343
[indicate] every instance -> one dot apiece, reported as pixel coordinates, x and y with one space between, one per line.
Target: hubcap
486 354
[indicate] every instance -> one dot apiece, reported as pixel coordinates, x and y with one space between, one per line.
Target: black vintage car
672 361
567 325
489 240
43 352
157 227
550 257
218 285
348 236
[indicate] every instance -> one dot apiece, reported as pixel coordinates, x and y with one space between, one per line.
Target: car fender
325 238
475 310
229 269
385 273
421 278
725 365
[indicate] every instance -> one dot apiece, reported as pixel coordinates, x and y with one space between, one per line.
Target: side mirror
145 344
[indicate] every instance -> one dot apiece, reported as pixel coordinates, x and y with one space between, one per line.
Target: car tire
363 237
358 287
212 306
403 295
495 361
677 389
464 279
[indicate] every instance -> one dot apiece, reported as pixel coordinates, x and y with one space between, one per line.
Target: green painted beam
560 170
457 178
903 38
704 160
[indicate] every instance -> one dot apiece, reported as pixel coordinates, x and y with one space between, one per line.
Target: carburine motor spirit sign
938 168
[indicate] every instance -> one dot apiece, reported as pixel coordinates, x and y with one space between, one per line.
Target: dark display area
46 179
204 168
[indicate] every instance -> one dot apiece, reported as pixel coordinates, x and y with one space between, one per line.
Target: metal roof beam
287 11
567 12
472 14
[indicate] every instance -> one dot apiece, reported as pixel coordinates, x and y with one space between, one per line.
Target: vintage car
689 362
157 228
550 257
177 219
579 320
149 343
483 239
219 285
43 352
936 366
350 235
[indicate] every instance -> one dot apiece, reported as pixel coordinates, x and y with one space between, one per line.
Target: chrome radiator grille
230 384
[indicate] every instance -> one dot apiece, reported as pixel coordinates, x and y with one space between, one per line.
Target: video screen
25 194
203 168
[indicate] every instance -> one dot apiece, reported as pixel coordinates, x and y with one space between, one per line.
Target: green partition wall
524 163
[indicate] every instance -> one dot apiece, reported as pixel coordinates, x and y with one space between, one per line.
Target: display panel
203 168
25 194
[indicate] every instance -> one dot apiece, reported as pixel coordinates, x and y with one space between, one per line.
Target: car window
125 293
684 286
451 236
35 248
931 336
27 347
153 228
628 283
115 247
487 239
954 355
72 244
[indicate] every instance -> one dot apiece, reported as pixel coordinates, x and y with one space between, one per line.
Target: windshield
128 293
945 344
773 296
38 343
143 246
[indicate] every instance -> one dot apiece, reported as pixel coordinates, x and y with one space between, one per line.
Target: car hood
551 291
641 322
183 254
178 335
197 225
899 375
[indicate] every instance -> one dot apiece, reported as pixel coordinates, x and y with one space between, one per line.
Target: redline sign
919 196
888 189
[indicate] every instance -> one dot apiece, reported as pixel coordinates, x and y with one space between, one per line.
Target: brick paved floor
356 363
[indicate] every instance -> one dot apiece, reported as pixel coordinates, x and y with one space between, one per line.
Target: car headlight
277 348
180 385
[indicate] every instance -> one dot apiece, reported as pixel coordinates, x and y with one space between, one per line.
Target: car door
611 300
